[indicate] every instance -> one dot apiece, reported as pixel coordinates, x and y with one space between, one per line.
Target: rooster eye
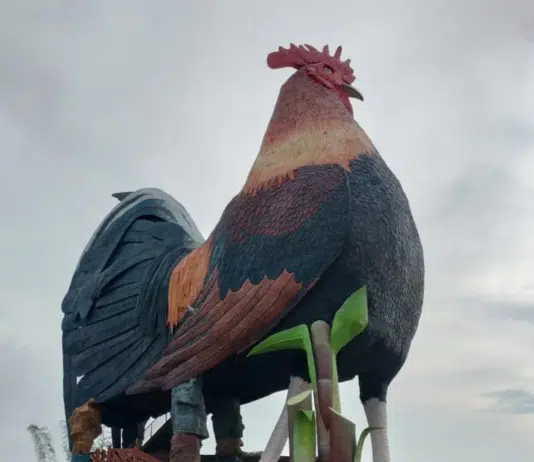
328 70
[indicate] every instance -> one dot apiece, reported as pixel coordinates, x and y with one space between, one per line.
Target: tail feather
114 325
93 357
110 371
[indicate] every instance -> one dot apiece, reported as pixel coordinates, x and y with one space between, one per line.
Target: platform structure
158 433
137 455
156 446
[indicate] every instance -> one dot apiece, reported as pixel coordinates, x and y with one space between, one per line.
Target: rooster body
319 216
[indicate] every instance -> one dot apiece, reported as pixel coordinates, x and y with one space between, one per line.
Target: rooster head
326 69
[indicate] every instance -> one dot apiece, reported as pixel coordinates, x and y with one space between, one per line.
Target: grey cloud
496 308
523 312
511 401
483 374
29 393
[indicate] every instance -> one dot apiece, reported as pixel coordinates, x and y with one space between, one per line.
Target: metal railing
154 425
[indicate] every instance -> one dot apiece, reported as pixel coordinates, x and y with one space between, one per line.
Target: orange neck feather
310 126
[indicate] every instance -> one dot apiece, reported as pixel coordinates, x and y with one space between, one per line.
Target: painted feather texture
274 240
262 263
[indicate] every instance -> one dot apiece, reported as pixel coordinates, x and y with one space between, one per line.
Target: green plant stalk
320 335
304 437
299 403
361 441
336 395
349 322
323 436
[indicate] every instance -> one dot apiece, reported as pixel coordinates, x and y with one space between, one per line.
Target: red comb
298 56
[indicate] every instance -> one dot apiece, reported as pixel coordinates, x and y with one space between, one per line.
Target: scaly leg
228 428
373 392
188 416
375 411
85 425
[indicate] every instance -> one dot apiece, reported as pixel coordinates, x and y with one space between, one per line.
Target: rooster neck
310 125
303 104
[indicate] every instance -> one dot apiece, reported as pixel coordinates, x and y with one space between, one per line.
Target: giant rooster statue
156 317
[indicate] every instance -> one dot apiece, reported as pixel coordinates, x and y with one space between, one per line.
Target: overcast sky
105 96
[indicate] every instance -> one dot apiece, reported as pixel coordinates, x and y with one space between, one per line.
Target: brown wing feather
221 329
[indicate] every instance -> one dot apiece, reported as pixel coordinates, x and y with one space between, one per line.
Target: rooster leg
116 437
228 428
133 435
188 416
85 425
375 411
140 433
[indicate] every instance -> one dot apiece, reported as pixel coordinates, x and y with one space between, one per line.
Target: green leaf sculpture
361 441
301 430
304 436
349 322
296 338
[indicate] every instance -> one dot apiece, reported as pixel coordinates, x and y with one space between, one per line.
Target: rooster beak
352 92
